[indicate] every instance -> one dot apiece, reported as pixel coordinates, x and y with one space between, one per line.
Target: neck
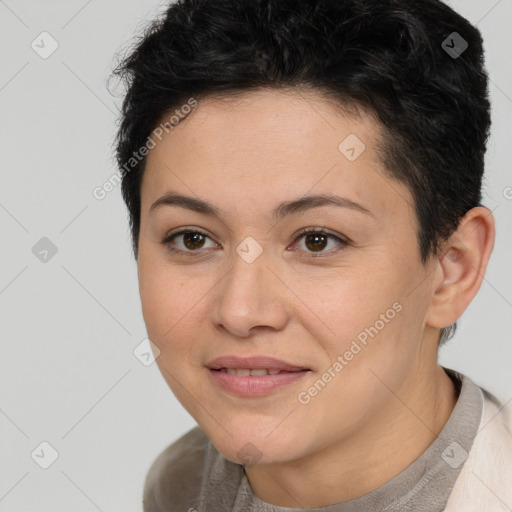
381 450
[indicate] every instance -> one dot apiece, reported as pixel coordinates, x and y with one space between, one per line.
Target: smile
253 376
244 372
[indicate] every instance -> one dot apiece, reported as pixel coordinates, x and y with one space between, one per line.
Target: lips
253 363
245 372
253 376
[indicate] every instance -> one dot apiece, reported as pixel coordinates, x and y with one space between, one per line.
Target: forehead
272 125
265 146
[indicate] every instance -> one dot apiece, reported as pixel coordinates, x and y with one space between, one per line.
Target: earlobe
462 264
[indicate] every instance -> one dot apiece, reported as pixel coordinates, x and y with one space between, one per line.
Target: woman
303 180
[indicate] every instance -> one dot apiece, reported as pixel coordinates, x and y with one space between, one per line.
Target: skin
245 155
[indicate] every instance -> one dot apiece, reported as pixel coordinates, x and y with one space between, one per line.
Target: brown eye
193 240
189 242
316 241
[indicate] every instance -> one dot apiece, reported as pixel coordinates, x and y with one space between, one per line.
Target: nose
249 298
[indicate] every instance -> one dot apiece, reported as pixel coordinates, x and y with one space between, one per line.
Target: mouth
254 363
253 376
245 372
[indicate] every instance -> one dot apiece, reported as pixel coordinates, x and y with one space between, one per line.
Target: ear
461 266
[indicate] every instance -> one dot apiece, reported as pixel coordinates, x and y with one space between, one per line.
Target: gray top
191 475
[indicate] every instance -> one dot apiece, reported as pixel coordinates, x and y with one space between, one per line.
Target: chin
251 443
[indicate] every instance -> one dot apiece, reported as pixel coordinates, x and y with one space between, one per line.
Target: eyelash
302 233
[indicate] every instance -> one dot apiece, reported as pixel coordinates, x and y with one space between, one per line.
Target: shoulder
484 482
175 477
495 432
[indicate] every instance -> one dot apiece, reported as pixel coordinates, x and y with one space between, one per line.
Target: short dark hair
398 59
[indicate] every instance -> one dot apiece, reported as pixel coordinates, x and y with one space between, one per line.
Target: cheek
374 330
349 303
172 314
169 303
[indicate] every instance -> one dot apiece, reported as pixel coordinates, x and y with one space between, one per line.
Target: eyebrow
282 210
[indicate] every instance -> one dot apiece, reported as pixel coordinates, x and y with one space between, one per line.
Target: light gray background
69 326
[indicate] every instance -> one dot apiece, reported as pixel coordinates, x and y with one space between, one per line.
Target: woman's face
341 315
